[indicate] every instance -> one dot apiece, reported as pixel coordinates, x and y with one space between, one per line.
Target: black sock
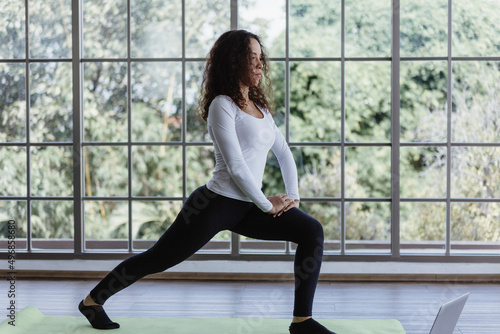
97 317
309 326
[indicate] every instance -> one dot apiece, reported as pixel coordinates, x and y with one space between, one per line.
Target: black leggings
202 216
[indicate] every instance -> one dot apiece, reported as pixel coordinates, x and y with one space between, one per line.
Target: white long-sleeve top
241 143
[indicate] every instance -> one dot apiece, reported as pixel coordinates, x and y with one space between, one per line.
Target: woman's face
254 64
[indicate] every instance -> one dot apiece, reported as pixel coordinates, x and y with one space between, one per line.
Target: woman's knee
312 230
151 261
318 232
315 228
312 238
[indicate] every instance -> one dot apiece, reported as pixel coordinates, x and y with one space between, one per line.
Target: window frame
234 252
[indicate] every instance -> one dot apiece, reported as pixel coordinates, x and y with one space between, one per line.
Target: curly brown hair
227 65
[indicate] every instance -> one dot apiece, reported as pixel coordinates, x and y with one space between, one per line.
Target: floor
414 304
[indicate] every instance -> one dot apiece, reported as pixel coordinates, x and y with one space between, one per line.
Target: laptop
448 315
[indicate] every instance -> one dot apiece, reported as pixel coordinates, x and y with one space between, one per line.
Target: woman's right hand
279 202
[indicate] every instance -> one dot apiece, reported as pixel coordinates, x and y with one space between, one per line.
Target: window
396 140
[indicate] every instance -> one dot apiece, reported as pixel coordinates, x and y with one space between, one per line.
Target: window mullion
184 118
129 128
235 238
448 135
76 13
288 245
342 130
28 139
234 14
395 129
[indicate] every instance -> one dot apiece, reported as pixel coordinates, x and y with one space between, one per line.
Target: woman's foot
97 317
309 326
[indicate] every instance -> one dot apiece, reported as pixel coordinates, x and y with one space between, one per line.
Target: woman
235 105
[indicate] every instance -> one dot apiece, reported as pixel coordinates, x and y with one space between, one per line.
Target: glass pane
476 102
267 19
423 227
51 96
315 28
475 172
150 219
368 227
52 224
328 213
423 172
15 212
278 82
368 101
315 101
52 171
200 163
157 170
318 171
14 171
424 28
475 227
50 35
105 102
196 126
156 28
368 28
156 101
272 180
367 172
12 34
205 22
475 28
104 28
106 224
423 101
106 171
13 102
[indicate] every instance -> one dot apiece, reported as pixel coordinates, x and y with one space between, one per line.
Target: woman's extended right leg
204 214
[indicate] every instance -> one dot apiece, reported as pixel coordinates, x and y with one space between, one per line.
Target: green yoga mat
31 321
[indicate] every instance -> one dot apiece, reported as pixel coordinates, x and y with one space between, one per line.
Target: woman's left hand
290 203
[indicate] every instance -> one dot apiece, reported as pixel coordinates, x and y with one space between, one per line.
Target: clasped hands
282 203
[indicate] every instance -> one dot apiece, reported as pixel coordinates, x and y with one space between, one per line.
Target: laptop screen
448 315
